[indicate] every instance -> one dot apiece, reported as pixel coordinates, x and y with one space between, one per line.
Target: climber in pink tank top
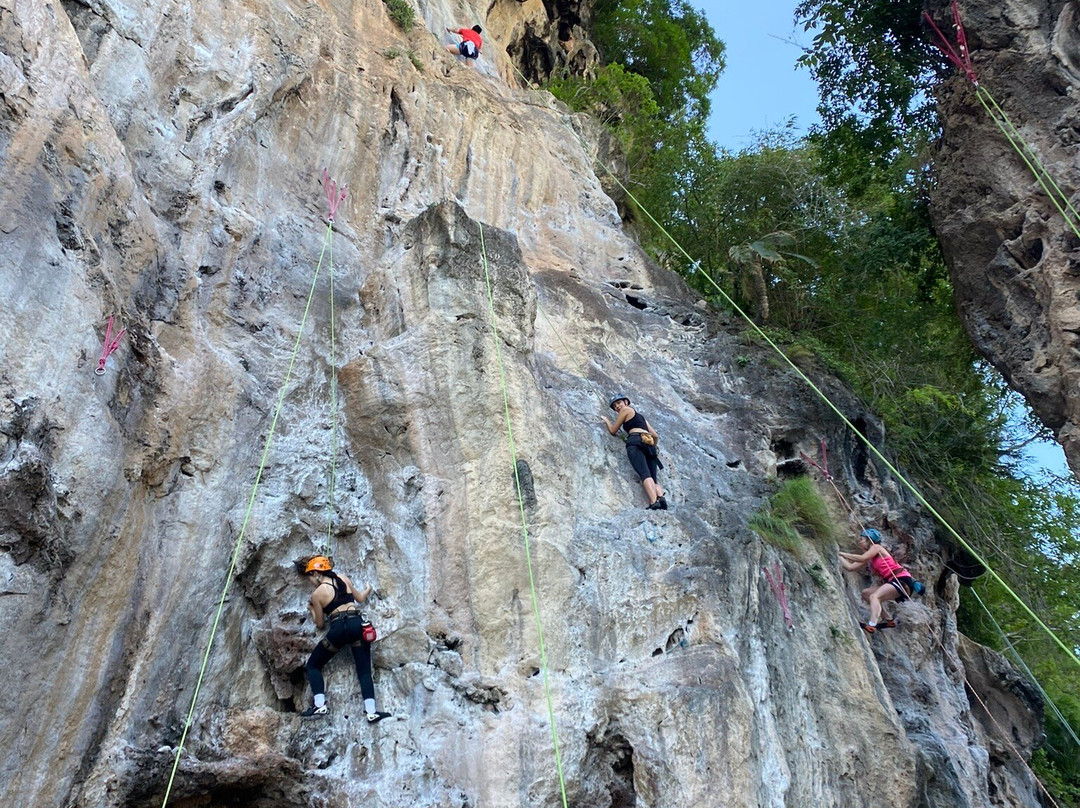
897 583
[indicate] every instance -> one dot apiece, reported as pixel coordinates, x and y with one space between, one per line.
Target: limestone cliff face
160 163
1015 262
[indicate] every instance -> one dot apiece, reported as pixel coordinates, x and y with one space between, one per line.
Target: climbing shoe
656 506
314 712
375 718
887 624
869 629
662 502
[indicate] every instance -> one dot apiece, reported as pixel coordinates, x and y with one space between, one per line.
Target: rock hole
611 759
733 464
860 460
783 448
658 652
1031 254
676 639
637 302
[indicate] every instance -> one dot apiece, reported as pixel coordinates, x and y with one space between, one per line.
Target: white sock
872 624
320 699
369 706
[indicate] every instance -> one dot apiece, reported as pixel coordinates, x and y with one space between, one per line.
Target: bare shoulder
323 594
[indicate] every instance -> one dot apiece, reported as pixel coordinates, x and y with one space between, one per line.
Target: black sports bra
341 597
637 422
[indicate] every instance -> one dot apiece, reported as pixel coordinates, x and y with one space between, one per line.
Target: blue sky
761 88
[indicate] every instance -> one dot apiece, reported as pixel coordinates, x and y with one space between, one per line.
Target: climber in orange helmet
470 44
336 601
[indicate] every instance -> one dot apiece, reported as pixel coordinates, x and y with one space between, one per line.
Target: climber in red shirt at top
470 43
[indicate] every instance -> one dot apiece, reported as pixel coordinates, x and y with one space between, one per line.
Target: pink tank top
886 567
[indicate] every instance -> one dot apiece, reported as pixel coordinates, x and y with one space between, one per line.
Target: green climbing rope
1020 660
828 402
1031 159
327 240
524 521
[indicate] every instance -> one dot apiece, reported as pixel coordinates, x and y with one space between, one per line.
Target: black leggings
343 631
644 459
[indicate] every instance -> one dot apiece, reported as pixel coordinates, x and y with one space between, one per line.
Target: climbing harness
524 520
110 346
760 332
776 581
327 241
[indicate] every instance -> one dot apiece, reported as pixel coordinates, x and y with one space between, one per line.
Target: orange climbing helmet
318 564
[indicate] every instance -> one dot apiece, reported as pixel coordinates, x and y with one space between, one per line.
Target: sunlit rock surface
1015 261
160 163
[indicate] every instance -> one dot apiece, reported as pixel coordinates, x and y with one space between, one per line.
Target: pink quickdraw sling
110 346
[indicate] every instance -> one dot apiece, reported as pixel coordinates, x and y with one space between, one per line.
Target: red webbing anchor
959 55
335 195
110 346
776 581
823 466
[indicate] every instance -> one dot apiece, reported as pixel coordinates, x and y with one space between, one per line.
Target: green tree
670 43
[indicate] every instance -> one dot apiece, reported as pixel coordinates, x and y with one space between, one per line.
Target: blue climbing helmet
872 534
619 397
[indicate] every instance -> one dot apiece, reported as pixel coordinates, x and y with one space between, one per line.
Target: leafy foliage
620 99
828 239
794 514
401 13
875 70
669 43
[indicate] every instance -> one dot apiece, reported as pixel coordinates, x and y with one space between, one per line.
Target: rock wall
1015 262
160 163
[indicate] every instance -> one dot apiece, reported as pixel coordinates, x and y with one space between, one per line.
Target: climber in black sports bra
643 456
337 602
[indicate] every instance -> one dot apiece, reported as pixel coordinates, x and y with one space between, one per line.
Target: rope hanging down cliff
338 195
960 56
829 403
823 467
524 521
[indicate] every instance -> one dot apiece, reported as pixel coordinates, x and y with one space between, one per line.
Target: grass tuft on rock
401 13
794 514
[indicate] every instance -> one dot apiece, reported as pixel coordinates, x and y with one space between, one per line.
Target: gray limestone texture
160 163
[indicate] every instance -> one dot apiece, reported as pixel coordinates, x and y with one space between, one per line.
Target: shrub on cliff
401 13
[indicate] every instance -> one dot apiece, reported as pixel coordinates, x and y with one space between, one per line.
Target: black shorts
468 49
904 586
644 459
